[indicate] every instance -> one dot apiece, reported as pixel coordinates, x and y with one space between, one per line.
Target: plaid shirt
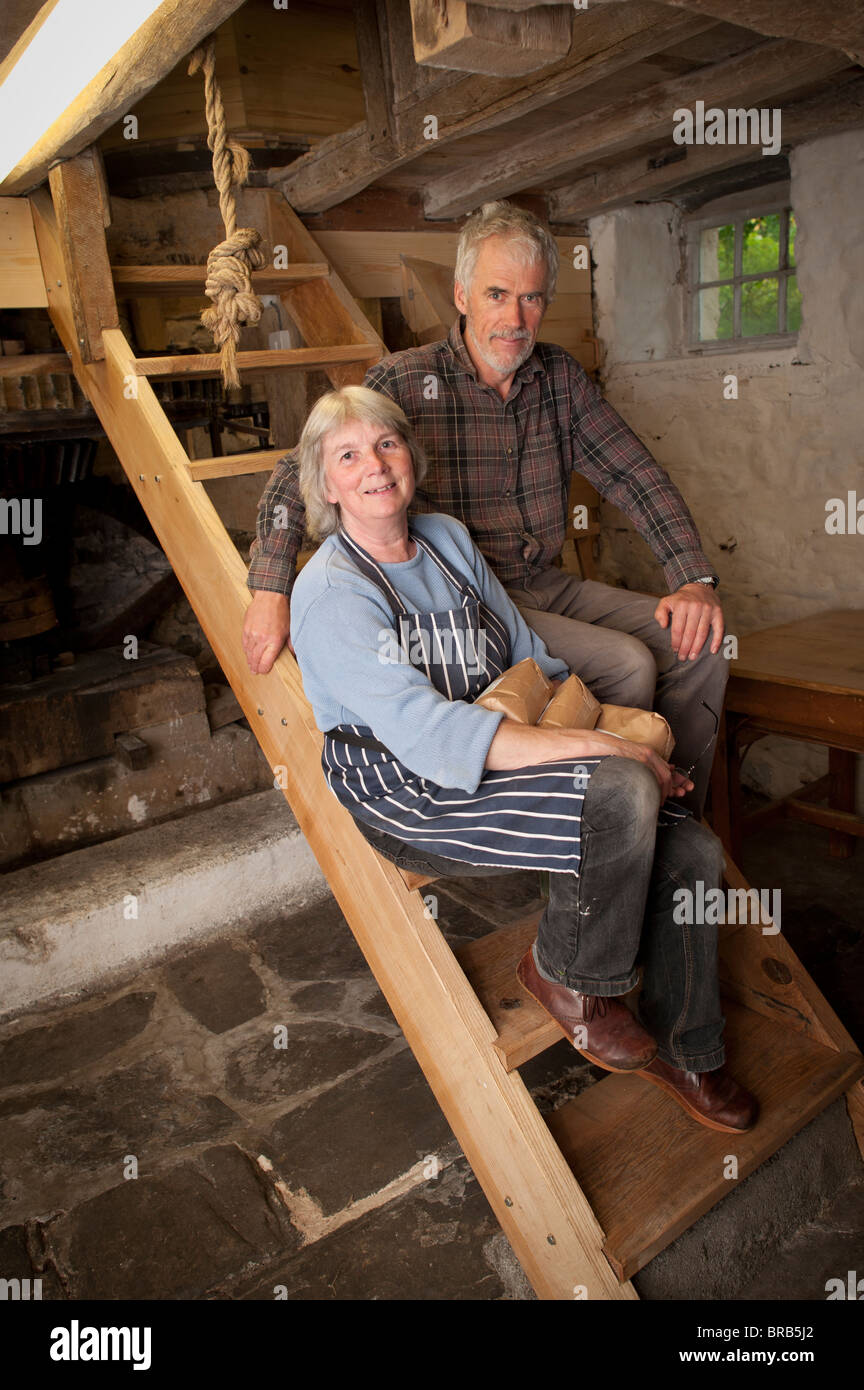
503 467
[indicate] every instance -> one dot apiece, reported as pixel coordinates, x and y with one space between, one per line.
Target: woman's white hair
328 413
527 238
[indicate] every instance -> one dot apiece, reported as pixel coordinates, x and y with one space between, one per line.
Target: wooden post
841 797
77 190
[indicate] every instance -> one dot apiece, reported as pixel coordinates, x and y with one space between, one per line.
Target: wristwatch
706 580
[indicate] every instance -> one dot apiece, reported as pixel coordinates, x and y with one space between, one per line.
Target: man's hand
694 610
266 629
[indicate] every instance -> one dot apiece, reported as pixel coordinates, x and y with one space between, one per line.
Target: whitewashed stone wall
757 471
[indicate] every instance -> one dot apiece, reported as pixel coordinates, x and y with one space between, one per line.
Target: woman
398 627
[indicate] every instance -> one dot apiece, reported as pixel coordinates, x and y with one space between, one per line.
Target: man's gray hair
330 412
529 241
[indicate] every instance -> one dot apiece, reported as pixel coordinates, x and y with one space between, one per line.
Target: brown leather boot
714 1098
613 1038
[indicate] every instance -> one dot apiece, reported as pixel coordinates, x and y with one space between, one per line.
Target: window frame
736 214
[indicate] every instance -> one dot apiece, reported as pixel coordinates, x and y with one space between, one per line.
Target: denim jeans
619 914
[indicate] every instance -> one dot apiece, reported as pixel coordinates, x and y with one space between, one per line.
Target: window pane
758 307
760 244
793 305
717 253
793 230
715 314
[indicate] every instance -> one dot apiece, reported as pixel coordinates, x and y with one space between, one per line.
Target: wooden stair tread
142 280
649 1171
413 880
233 465
524 1029
201 364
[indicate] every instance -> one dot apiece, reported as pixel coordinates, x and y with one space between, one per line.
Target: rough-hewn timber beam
481 38
345 164
370 28
839 24
162 41
827 113
523 4
758 75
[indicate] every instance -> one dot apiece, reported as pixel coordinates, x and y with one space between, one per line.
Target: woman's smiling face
368 470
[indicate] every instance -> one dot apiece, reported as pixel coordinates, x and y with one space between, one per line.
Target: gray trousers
611 639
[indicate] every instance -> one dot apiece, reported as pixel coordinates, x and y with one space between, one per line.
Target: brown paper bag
522 693
571 707
639 725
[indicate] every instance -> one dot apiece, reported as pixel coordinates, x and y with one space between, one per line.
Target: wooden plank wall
21 282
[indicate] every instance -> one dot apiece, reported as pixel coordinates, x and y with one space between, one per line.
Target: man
504 420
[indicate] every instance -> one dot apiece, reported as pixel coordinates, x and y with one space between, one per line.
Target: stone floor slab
174 1235
359 1135
314 1054
313 944
53 1051
429 1245
59 1139
218 986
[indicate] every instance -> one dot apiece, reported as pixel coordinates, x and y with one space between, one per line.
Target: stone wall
757 471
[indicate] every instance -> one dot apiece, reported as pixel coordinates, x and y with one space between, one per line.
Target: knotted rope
230 264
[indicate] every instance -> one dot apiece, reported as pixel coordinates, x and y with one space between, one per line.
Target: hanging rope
230 264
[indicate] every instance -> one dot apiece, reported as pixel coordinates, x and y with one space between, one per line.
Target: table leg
841 797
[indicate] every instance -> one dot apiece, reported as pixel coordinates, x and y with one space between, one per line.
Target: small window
744 283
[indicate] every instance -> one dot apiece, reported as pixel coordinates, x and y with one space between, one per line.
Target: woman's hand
523 745
671 781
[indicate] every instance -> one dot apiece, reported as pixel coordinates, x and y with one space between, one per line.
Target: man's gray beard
499 366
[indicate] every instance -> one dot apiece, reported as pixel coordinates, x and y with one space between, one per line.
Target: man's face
503 307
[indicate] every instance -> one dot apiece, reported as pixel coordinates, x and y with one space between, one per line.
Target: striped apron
527 818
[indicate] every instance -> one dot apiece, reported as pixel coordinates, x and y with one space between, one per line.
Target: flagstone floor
246 1121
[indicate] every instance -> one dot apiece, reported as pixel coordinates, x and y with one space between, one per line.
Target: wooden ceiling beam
482 38
344 164
371 30
523 4
759 75
838 24
154 49
646 177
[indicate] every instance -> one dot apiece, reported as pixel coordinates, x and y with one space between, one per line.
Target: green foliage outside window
761 250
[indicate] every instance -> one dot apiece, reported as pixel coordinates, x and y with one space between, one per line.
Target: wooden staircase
587 1198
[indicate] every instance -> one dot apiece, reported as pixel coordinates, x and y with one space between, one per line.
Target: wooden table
803 680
